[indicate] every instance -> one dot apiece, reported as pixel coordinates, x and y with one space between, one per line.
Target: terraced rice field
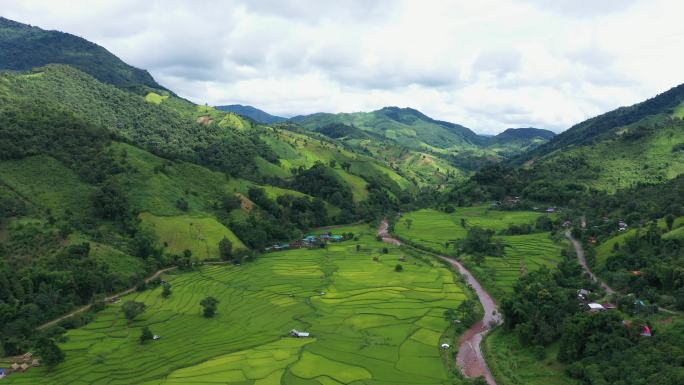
432 229
369 324
524 253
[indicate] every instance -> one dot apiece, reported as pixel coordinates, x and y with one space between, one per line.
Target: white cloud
486 64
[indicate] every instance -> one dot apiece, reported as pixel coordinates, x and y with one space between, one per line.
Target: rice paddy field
368 324
523 253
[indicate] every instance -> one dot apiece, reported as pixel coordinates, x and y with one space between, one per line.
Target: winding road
583 261
469 358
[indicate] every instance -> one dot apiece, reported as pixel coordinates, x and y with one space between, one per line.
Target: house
27 356
281 246
636 273
551 210
23 367
609 306
310 239
593 240
622 226
567 224
325 237
3 373
336 238
298 334
583 294
15 367
35 363
595 307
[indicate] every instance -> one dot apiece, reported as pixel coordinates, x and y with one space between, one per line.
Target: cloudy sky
486 64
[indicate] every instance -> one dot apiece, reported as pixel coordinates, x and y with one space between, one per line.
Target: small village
19 364
311 241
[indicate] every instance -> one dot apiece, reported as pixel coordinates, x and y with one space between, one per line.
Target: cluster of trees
480 242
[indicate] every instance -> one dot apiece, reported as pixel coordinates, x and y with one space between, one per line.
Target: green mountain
514 141
608 125
253 113
406 126
643 143
23 47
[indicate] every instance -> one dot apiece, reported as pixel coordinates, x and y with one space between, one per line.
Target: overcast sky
485 64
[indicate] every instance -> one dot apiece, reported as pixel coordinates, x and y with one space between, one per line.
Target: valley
146 238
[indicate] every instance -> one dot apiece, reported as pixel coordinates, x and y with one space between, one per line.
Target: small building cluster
310 241
20 364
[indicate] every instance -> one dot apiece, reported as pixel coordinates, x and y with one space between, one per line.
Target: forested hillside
23 47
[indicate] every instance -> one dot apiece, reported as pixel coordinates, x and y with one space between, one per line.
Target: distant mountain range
259 116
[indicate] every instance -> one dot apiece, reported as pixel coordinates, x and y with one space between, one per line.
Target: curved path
583 261
119 294
469 358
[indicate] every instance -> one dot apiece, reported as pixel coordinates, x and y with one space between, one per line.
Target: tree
166 290
398 268
50 352
145 335
132 309
209 306
669 220
226 249
110 202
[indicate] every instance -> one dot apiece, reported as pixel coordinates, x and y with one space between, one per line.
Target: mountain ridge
23 47
256 114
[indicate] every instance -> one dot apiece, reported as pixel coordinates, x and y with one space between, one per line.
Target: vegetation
367 323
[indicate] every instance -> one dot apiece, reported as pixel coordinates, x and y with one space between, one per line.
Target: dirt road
469 358
117 295
583 261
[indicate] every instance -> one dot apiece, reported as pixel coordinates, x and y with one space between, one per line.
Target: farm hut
444 346
35 363
567 224
593 240
15 367
23 367
402 258
298 334
594 307
156 337
3 373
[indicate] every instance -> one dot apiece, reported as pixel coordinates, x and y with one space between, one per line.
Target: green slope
23 47
402 125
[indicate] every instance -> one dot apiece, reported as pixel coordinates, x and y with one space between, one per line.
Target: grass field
48 184
201 235
432 229
369 324
513 364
